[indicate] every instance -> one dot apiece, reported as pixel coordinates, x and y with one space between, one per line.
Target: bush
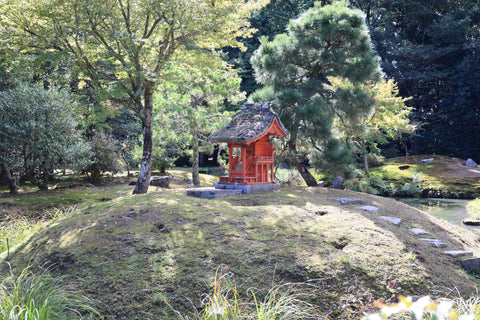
42 297
39 132
473 209
106 156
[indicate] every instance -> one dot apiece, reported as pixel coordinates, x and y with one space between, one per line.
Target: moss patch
132 250
445 177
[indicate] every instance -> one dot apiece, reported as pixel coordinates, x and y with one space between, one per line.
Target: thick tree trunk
10 179
195 156
302 169
146 163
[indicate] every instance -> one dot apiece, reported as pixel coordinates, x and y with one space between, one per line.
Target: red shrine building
250 151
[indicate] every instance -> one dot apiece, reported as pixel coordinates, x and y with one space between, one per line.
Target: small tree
329 41
38 133
199 85
388 121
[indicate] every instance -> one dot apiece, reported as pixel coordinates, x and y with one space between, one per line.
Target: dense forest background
429 48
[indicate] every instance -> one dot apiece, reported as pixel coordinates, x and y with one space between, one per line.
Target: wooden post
244 162
230 158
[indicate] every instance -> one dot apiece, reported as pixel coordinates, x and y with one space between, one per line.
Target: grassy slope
445 177
134 251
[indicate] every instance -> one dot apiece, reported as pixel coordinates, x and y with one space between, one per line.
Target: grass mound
444 177
134 253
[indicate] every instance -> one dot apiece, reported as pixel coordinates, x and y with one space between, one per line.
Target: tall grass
282 302
42 297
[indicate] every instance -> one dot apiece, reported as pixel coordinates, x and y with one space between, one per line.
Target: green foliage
473 208
38 133
323 42
42 297
106 156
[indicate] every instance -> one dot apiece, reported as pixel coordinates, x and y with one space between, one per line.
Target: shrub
473 209
42 297
106 156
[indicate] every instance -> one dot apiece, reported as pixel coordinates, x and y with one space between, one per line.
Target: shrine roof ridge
251 121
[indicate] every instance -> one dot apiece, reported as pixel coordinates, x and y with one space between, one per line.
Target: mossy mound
136 252
444 177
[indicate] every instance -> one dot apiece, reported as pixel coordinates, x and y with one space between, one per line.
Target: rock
471 222
427 160
321 183
338 183
283 165
187 180
371 209
435 242
458 253
344 201
132 183
160 181
396 221
472 264
418 231
470 163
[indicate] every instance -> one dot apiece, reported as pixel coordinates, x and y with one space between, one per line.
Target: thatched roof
252 121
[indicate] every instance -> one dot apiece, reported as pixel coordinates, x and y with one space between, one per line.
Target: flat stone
344 201
471 222
248 188
371 209
160 181
427 160
211 193
418 231
458 253
472 264
396 221
435 242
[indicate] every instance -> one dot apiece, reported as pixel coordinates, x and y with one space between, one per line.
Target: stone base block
247 188
211 193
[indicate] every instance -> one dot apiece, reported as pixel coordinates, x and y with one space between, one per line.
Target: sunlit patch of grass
473 209
15 232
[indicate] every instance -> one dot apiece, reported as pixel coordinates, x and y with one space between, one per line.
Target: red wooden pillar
244 162
230 157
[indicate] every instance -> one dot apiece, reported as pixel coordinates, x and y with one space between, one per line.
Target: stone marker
396 221
470 163
472 264
371 209
344 201
435 242
160 181
338 183
428 160
458 253
187 180
418 231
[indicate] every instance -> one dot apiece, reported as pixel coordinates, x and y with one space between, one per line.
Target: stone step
418 231
396 221
472 264
344 201
458 253
435 242
371 209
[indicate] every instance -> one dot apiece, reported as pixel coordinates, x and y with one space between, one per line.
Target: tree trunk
146 163
302 168
195 156
365 159
10 179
